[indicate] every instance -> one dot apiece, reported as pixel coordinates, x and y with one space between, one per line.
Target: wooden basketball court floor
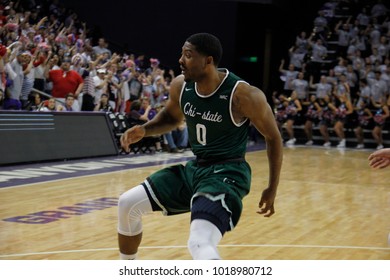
330 205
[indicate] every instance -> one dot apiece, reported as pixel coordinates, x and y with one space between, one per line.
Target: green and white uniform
219 144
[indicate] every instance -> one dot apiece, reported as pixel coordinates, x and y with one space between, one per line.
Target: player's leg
131 206
216 206
163 191
209 221
128 246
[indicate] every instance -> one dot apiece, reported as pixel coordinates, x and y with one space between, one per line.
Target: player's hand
132 135
266 203
380 158
378 162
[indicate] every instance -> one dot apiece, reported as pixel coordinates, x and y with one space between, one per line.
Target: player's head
199 52
208 45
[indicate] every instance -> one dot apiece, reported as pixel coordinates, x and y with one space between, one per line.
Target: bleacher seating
119 124
342 12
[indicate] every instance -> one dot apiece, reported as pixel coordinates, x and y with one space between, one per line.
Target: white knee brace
203 240
131 206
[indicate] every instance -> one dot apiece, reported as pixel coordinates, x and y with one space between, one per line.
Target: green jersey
213 133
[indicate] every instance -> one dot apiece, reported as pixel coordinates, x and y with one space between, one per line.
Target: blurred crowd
338 77
46 51
50 62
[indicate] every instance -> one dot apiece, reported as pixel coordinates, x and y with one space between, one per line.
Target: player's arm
165 121
171 115
250 102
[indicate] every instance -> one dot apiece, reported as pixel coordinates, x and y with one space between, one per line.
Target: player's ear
209 60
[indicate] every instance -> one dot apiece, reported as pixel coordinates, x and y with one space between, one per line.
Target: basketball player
378 160
218 107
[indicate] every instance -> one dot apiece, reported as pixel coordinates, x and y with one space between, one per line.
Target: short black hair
207 44
69 95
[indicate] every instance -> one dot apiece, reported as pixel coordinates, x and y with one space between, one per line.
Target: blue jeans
177 138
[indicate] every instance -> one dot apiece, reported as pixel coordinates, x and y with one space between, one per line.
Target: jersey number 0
201 134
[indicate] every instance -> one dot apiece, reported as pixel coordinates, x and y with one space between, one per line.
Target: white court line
183 246
126 169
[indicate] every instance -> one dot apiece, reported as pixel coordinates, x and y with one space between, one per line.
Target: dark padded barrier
44 136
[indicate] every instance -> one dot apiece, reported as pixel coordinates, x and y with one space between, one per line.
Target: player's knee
131 206
124 204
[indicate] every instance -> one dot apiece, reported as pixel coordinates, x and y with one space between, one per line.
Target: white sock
128 257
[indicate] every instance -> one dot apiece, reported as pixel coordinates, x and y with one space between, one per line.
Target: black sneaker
177 150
